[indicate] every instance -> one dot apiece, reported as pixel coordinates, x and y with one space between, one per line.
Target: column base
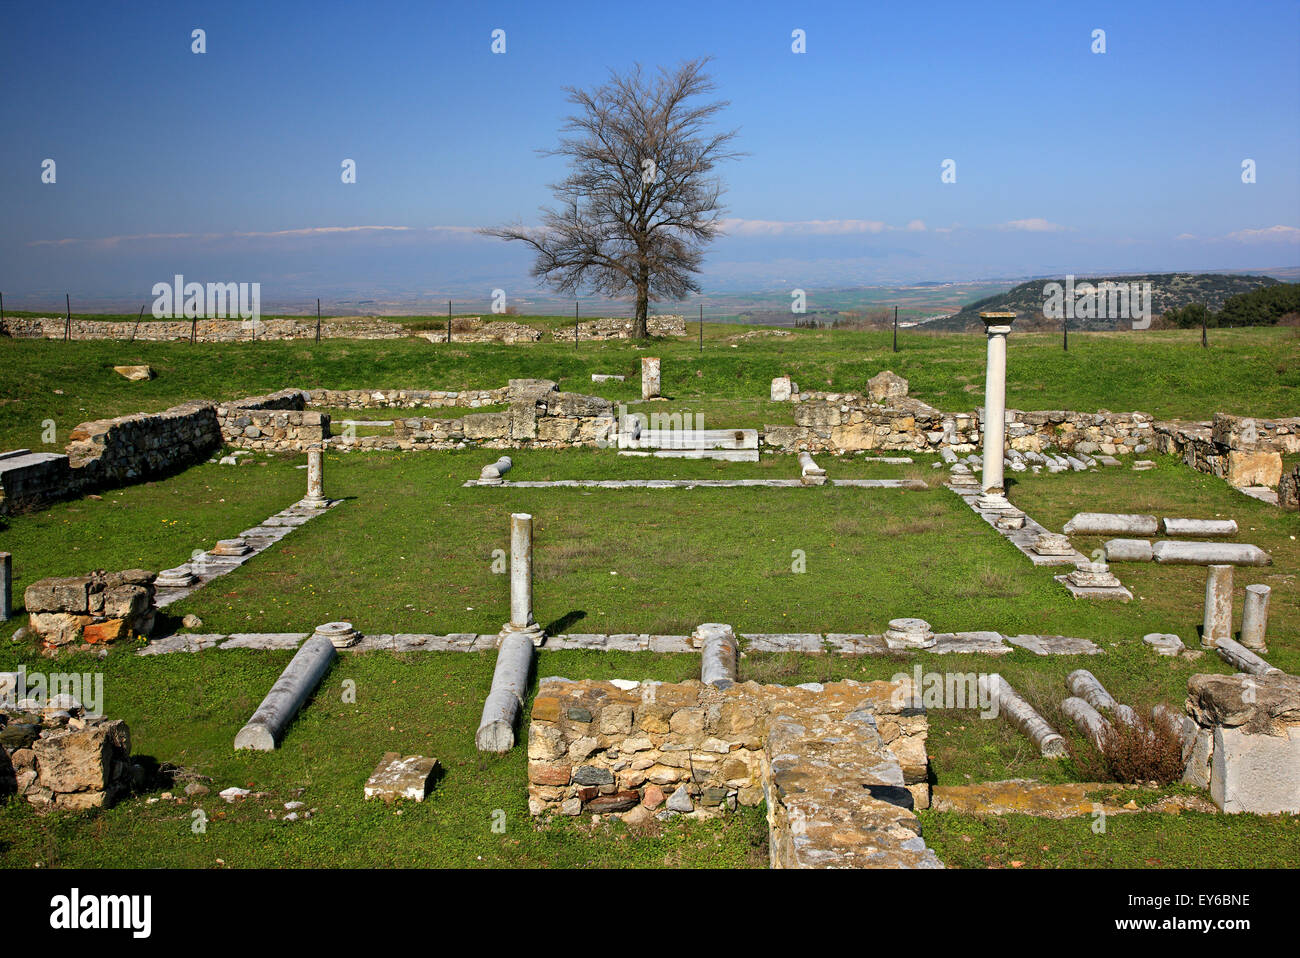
532 630
994 502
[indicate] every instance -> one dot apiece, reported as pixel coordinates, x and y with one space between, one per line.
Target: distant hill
1168 291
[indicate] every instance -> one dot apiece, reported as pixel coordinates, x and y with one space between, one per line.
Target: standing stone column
315 477
650 377
1254 617
521 579
1218 606
996 327
6 586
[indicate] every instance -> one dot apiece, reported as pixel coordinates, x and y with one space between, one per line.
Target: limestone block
396 777
1209 553
1106 523
1256 773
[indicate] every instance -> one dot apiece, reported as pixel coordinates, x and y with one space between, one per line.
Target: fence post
575 324
895 329
67 325
318 319
449 321
701 327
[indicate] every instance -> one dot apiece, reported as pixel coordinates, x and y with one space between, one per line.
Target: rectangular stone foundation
841 766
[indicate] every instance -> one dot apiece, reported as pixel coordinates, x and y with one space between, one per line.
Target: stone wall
96 609
54 759
610 328
405 398
114 452
31 480
1243 451
603 747
851 422
205 330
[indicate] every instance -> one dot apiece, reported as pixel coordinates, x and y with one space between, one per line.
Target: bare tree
639 204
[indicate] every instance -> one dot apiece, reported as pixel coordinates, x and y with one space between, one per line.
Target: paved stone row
846 643
698 483
175 584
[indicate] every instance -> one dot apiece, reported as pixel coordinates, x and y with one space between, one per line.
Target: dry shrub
1142 752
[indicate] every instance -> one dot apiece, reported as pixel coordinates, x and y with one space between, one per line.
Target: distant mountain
1168 291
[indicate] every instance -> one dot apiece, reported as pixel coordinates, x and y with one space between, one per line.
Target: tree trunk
640 328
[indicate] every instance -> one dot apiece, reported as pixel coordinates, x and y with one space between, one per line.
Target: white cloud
1270 234
916 226
1033 225
743 227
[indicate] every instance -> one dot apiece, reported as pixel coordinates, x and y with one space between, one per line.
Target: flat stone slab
265 640
990 643
1067 800
671 643
853 643
181 643
1054 645
693 483
397 777
1165 643
782 642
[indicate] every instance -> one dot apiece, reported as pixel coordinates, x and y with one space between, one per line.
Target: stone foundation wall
599 747
1240 450
113 452
405 398
851 422
609 328
55 759
97 609
205 330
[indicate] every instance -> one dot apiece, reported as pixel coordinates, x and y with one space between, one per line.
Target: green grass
410 549
1165 373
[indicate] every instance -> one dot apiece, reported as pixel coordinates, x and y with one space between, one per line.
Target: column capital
998 324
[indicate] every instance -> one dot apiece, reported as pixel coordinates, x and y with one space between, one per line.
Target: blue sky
225 166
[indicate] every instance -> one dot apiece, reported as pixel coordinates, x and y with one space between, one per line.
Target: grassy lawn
1165 373
411 550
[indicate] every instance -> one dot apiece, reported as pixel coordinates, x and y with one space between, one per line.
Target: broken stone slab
855 643
294 686
1209 553
135 373
397 777
671 643
607 378
1199 527
1087 719
1111 523
989 643
181 643
999 692
264 640
1054 645
1164 643
782 641
718 656
1242 658
1084 685
1127 550
505 699
781 390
